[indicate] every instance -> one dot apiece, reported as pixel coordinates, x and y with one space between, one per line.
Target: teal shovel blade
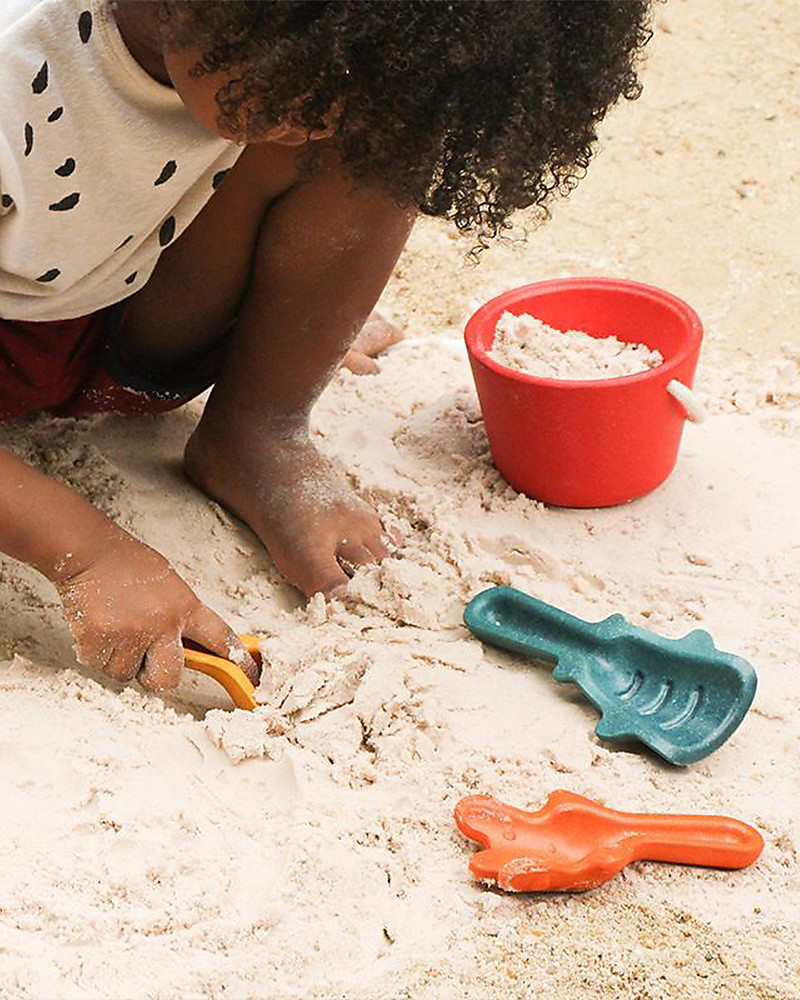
683 698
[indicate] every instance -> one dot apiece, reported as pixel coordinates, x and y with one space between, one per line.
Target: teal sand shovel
683 698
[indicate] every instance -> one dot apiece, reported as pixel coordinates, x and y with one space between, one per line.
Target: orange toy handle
713 841
235 681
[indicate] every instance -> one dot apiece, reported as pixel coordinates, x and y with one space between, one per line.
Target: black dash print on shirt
167 231
55 115
6 201
219 177
66 168
131 278
39 84
66 203
124 243
167 171
28 138
85 26
50 275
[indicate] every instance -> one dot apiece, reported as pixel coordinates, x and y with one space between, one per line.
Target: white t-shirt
101 166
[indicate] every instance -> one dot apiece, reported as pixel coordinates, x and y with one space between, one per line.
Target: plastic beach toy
681 697
575 843
589 443
226 672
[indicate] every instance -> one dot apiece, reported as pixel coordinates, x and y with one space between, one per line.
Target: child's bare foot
297 502
376 335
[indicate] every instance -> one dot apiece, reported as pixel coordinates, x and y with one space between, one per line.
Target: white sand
308 851
526 344
314 853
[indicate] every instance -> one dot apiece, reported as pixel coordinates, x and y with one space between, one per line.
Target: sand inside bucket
528 345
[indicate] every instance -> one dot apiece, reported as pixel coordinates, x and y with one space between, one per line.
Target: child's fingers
212 633
125 661
238 654
163 664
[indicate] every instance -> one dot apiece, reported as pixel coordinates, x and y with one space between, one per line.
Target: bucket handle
691 404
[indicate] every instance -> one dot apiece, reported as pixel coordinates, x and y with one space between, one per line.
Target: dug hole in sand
152 848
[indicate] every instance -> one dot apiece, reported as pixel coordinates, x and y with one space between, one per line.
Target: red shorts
74 367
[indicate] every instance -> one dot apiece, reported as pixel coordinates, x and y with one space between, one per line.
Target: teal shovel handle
506 617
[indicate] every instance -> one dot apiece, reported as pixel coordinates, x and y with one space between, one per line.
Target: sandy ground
161 849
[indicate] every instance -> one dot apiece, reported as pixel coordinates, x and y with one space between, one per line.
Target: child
215 193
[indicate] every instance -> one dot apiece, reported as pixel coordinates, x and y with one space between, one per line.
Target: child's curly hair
468 109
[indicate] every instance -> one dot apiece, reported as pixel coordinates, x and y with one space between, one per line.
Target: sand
163 848
526 344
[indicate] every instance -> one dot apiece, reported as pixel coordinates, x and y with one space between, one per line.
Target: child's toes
314 572
377 334
391 539
359 363
377 544
354 554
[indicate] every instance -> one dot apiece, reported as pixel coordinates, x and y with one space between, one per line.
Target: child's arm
125 605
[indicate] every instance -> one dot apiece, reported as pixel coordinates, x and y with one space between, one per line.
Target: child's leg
200 280
303 265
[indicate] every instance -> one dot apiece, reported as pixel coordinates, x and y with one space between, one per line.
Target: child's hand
128 610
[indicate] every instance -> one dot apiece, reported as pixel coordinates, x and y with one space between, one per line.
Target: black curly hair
467 109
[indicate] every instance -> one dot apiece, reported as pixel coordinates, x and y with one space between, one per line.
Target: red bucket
588 443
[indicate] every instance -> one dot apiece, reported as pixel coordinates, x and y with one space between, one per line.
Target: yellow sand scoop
226 672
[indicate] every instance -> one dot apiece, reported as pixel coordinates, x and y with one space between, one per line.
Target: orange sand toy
226 672
574 843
